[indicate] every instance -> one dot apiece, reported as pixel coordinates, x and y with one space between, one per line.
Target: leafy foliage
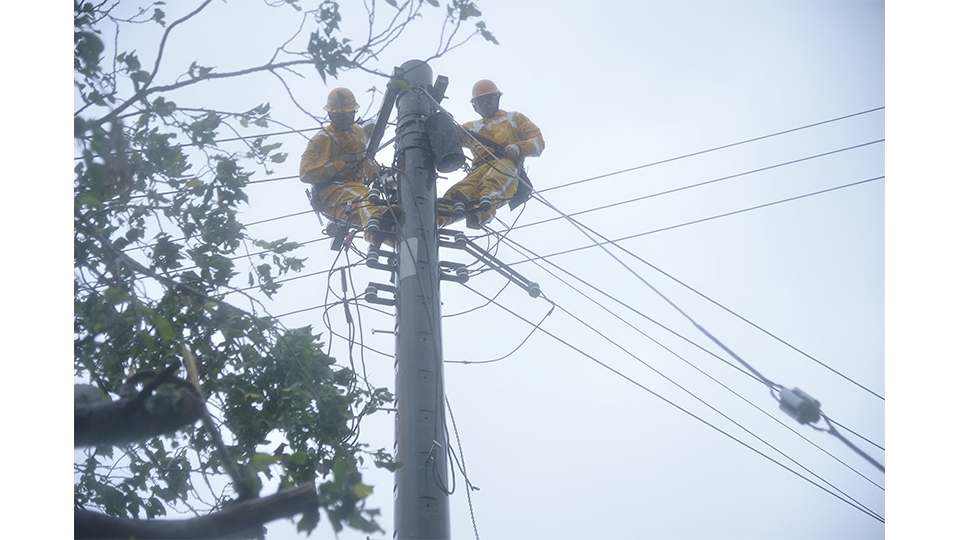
156 237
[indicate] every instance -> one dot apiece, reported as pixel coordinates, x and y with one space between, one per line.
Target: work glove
512 152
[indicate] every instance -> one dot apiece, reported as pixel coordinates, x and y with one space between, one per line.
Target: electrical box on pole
421 484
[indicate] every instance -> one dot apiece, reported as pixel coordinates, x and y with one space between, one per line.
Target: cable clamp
800 405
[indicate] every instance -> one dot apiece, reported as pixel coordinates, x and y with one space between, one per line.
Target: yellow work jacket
505 128
331 151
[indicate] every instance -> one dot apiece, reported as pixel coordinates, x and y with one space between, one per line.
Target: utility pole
421 485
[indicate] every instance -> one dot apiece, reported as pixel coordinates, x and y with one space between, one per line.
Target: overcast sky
785 266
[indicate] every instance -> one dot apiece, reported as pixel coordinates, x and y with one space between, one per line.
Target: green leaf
308 522
362 490
487 35
115 295
261 462
298 458
391 466
339 470
400 83
158 16
163 328
163 107
270 147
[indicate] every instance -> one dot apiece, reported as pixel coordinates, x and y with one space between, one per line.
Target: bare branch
163 40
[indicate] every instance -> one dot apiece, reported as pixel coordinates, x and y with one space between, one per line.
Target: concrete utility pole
421 502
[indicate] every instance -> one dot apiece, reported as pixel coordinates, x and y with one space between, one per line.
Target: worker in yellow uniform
494 175
335 162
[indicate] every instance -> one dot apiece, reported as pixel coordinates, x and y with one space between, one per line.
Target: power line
769 383
709 182
852 502
628 252
711 407
699 184
694 222
714 149
621 319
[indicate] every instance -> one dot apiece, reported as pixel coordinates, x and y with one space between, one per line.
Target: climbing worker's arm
531 141
316 167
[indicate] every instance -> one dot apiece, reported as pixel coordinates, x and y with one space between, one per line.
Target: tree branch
237 520
144 92
129 420
166 33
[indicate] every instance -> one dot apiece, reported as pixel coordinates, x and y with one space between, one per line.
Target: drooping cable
698 398
523 250
833 431
462 464
515 349
588 232
857 505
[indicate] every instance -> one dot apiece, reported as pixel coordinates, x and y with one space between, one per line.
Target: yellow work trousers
347 203
498 181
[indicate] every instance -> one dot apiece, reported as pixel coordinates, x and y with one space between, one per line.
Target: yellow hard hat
484 87
341 100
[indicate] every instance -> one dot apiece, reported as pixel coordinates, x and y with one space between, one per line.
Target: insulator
375 197
331 229
459 208
373 225
463 273
460 240
485 203
370 294
533 289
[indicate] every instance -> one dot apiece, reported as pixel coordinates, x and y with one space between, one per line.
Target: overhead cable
664 347
694 222
699 184
856 505
714 149
804 400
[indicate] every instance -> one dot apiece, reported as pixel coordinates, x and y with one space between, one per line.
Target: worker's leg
337 199
461 191
499 184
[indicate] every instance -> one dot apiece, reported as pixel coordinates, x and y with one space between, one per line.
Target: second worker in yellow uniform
495 178
335 162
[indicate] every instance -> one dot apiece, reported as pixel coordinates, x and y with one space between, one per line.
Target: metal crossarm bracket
373 259
459 239
532 288
371 294
459 272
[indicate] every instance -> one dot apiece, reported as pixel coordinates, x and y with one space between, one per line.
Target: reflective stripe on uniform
364 208
537 150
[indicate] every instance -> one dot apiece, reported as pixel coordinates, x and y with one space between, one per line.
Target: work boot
395 213
377 239
473 221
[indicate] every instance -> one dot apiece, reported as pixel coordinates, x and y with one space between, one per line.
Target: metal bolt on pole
421 484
